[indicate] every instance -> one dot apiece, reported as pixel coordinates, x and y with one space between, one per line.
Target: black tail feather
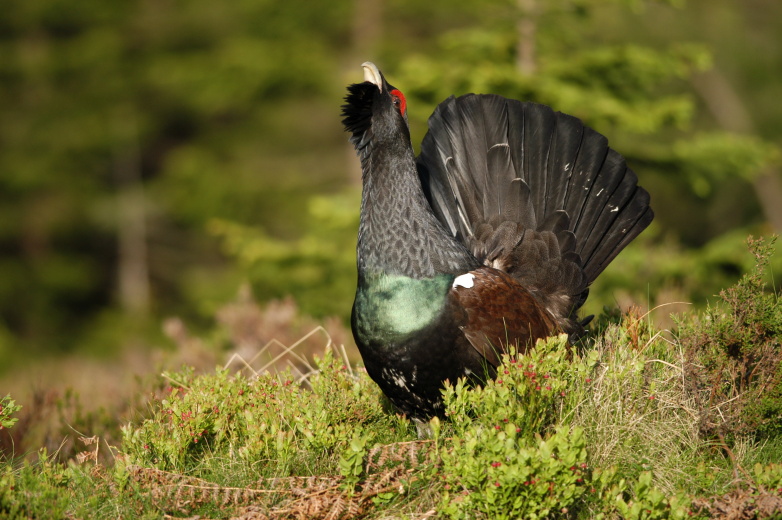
488 160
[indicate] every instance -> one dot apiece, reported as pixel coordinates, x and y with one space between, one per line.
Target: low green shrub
8 407
734 351
516 451
265 421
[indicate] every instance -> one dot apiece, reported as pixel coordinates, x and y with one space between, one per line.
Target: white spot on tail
465 280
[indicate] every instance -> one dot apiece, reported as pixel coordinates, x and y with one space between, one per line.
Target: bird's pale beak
372 74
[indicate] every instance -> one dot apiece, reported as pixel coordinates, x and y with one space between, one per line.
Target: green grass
633 423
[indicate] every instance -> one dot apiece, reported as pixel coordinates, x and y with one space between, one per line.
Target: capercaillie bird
490 237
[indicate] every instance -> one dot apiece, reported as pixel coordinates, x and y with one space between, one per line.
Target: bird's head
374 109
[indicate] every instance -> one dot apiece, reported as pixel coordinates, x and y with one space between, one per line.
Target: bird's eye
399 101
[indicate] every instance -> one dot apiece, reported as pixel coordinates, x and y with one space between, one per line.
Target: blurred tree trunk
526 29
367 26
367 31
731 114
132 268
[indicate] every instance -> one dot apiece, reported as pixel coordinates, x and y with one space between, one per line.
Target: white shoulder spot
464 280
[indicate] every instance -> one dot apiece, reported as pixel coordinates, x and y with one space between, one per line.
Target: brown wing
499 312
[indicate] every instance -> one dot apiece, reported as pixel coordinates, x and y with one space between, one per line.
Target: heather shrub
734 358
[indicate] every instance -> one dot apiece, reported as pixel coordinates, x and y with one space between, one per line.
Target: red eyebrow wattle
402 101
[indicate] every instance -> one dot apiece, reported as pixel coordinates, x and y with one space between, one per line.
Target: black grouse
490 237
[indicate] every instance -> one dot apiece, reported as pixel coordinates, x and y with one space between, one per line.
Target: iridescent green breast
389 308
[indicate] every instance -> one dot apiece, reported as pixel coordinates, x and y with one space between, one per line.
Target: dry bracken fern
389 468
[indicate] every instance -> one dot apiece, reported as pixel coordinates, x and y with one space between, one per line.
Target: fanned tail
531 191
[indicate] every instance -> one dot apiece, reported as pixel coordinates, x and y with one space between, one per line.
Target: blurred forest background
166 159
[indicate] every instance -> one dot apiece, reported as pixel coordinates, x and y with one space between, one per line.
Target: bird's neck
398 233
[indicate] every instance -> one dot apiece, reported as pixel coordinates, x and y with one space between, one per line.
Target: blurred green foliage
226 117
319 267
